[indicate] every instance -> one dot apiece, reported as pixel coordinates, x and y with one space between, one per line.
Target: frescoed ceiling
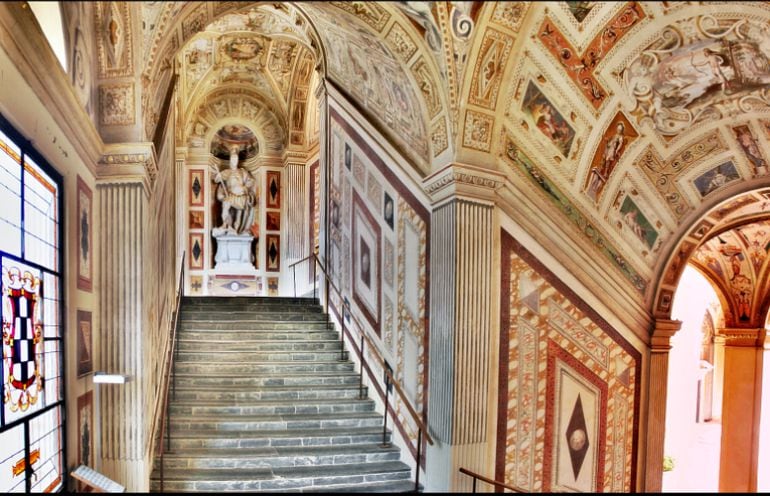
632 119
736 262
624 122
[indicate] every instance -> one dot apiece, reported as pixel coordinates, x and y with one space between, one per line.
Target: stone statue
236 192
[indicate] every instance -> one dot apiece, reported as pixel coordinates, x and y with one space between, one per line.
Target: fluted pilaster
462 244
660 347
296 231
120 304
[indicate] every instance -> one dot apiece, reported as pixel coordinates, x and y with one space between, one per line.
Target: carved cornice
128 163
662 334
463 181
743 337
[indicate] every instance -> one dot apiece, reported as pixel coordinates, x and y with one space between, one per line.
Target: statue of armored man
236 193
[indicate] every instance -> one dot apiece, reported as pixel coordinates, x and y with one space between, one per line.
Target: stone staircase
265 403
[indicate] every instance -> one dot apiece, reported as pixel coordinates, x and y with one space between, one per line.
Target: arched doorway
728 247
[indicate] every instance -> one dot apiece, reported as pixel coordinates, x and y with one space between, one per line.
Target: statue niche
236 194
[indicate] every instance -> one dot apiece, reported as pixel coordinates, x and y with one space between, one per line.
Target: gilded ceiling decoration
701 68
664 117
634 119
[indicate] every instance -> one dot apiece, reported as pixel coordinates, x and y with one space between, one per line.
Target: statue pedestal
233 252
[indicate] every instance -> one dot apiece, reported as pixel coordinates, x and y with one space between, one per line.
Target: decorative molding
743 337
128 163
462 180
662 334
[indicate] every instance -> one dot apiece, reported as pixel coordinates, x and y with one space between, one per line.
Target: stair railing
170 375
422 429
293 268
480 477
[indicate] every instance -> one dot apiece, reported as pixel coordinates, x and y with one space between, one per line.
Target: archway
728 246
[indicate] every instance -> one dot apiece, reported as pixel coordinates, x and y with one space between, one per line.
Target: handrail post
294 271
361 368
385 417
474 485
342 340
417 470
314 274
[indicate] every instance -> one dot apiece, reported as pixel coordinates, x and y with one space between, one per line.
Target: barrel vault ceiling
633 123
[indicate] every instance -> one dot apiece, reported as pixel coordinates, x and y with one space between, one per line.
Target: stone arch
732 211
244 108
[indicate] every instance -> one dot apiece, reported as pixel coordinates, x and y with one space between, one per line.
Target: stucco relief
663 173
116 104
114 43
701 68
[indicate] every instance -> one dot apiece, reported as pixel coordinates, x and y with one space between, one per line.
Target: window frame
27 149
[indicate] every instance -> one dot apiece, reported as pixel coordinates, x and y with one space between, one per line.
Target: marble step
328 406
253 308
257 336
294 478
282 456
241 394
214 368
243 300
250 325
179 423
397 486
262 345
212 316
252 356
226 440
296 379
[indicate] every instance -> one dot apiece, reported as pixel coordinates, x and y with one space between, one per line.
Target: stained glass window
31 417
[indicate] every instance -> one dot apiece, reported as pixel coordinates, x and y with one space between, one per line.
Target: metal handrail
487 480
421 427
170 372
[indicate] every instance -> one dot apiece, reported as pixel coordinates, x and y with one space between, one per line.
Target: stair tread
256 389
301 471
283 451
292 401
248 434
279 416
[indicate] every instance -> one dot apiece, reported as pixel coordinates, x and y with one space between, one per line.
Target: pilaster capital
295 157
462 181
743 337
661 335
180 153
128 163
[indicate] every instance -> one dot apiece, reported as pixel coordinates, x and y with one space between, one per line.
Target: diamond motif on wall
196 250
273 253
273 188
196 187
577 438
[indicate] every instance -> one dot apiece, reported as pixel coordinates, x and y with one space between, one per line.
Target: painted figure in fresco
613 148
631 221
749 145
716 60
742 293
236 191
717 181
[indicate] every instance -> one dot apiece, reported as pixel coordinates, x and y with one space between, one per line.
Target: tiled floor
699 472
